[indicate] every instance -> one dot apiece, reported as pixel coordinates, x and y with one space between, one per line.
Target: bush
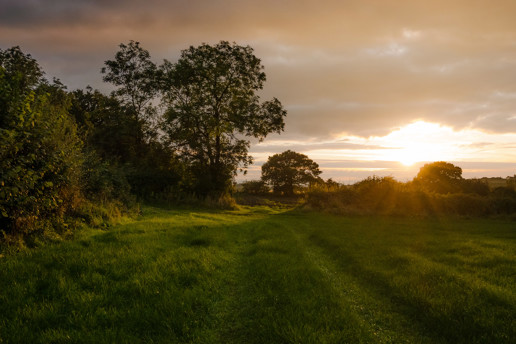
386 196
255 187
40 154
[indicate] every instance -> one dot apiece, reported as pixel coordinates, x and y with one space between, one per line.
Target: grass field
262 275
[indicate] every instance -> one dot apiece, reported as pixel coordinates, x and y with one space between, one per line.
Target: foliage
289 169
135 75
106 126
40 154
212 107
386 196
111 132
440 177
104 181
255 187
475 186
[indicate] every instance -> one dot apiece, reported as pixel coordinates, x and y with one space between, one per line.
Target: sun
418 142
418 152
409 157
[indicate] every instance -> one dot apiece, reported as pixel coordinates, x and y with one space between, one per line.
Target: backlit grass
262 275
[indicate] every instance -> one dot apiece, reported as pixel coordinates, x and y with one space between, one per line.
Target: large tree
135 76
125 124
213 109
289 169
440 177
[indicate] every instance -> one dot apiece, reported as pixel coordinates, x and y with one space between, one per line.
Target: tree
213 108
107 126
40 152
128 130
110 133
286 170
135 75
440 177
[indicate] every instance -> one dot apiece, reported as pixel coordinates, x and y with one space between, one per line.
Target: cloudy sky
371 87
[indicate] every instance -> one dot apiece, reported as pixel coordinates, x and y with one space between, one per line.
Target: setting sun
416 142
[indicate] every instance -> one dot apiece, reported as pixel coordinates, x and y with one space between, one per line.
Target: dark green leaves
135 75
212 104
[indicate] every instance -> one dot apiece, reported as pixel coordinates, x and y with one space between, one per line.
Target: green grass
262 275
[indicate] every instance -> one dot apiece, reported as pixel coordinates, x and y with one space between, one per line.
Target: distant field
262 275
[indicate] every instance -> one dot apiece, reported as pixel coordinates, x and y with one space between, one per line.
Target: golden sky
371 87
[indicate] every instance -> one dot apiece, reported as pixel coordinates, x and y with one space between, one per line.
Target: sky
371 87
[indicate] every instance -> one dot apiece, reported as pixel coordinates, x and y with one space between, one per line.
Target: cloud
268 147
359 68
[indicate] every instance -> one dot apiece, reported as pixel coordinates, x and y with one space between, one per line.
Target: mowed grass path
260 275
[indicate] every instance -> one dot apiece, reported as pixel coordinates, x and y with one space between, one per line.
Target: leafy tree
40 152
135 75
440 177
110 133
213 108
128 130
107 126
20 75
289 169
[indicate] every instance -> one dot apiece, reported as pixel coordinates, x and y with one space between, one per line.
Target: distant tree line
171 131
438 189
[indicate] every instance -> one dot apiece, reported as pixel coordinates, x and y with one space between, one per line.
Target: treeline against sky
175 132
438 189
170 132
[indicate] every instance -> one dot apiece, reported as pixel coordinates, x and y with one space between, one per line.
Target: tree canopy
289 169
440 177
135 75
212 109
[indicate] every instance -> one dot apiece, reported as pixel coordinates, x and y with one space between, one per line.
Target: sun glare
416 142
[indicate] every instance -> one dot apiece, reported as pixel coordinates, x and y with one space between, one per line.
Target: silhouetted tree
440 177
212 106
107 126
289 169
129 129
135 75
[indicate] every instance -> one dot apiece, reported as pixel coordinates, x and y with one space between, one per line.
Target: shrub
255 187
386 196
40 154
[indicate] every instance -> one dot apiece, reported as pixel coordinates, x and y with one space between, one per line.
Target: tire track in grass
279 296
408 293
379 324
